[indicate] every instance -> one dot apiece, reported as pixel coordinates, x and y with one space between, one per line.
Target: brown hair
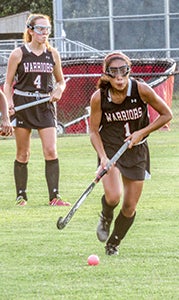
103 83
115 55
31 21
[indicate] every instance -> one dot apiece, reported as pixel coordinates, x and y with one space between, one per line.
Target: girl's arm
149 96
95 120
13 61
59 78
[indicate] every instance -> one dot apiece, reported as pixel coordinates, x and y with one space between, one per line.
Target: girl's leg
22 136
112 189
49 139
125 219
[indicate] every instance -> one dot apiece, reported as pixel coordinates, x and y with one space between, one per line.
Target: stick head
60 223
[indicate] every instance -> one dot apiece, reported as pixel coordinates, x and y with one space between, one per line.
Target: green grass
37 261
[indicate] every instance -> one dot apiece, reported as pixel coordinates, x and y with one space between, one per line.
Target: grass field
37 261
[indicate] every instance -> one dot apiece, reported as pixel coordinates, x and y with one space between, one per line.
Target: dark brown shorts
36 117
134 163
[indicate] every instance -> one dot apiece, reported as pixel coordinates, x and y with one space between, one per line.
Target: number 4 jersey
34 80
34 72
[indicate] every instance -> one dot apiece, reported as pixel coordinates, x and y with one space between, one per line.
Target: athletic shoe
20 201
58 202
111 249
103 228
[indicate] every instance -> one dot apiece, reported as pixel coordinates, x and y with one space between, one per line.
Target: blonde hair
31 21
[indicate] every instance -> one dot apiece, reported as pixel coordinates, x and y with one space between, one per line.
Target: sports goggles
40 29
121 71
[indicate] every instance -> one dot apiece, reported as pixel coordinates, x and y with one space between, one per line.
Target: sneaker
111 249
58 202
20 201
103 228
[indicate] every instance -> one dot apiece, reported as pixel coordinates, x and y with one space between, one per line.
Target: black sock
121 227
52 177
107 210
20 176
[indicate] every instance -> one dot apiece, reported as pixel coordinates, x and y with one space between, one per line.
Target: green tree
10 7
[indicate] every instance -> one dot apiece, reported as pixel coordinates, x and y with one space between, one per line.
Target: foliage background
13 7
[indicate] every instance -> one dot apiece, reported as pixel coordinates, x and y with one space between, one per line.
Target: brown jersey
34 74
120 120
117 123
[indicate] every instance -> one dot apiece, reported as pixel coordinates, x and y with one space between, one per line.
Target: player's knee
113 198
128 210
23 156
50 153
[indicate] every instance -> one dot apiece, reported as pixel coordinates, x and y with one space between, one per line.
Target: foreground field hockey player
118 114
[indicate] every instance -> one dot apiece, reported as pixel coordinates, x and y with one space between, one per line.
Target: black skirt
36 117
134 163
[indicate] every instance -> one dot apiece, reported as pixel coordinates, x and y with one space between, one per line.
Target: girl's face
41 30
118 74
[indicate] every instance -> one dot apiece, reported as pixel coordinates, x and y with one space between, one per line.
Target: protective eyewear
121 71
40 29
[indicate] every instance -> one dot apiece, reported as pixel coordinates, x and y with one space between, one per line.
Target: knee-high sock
121 227
52 177
107 210
20 176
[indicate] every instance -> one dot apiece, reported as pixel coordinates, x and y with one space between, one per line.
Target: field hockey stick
62 222
27 105
30 104
34 103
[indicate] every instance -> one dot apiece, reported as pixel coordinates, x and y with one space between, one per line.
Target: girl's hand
102 166
135 138
11 111
6 128
57 92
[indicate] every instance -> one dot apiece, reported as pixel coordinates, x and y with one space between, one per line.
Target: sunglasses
121 71
40 29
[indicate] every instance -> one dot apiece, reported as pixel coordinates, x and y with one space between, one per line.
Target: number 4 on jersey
37 82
